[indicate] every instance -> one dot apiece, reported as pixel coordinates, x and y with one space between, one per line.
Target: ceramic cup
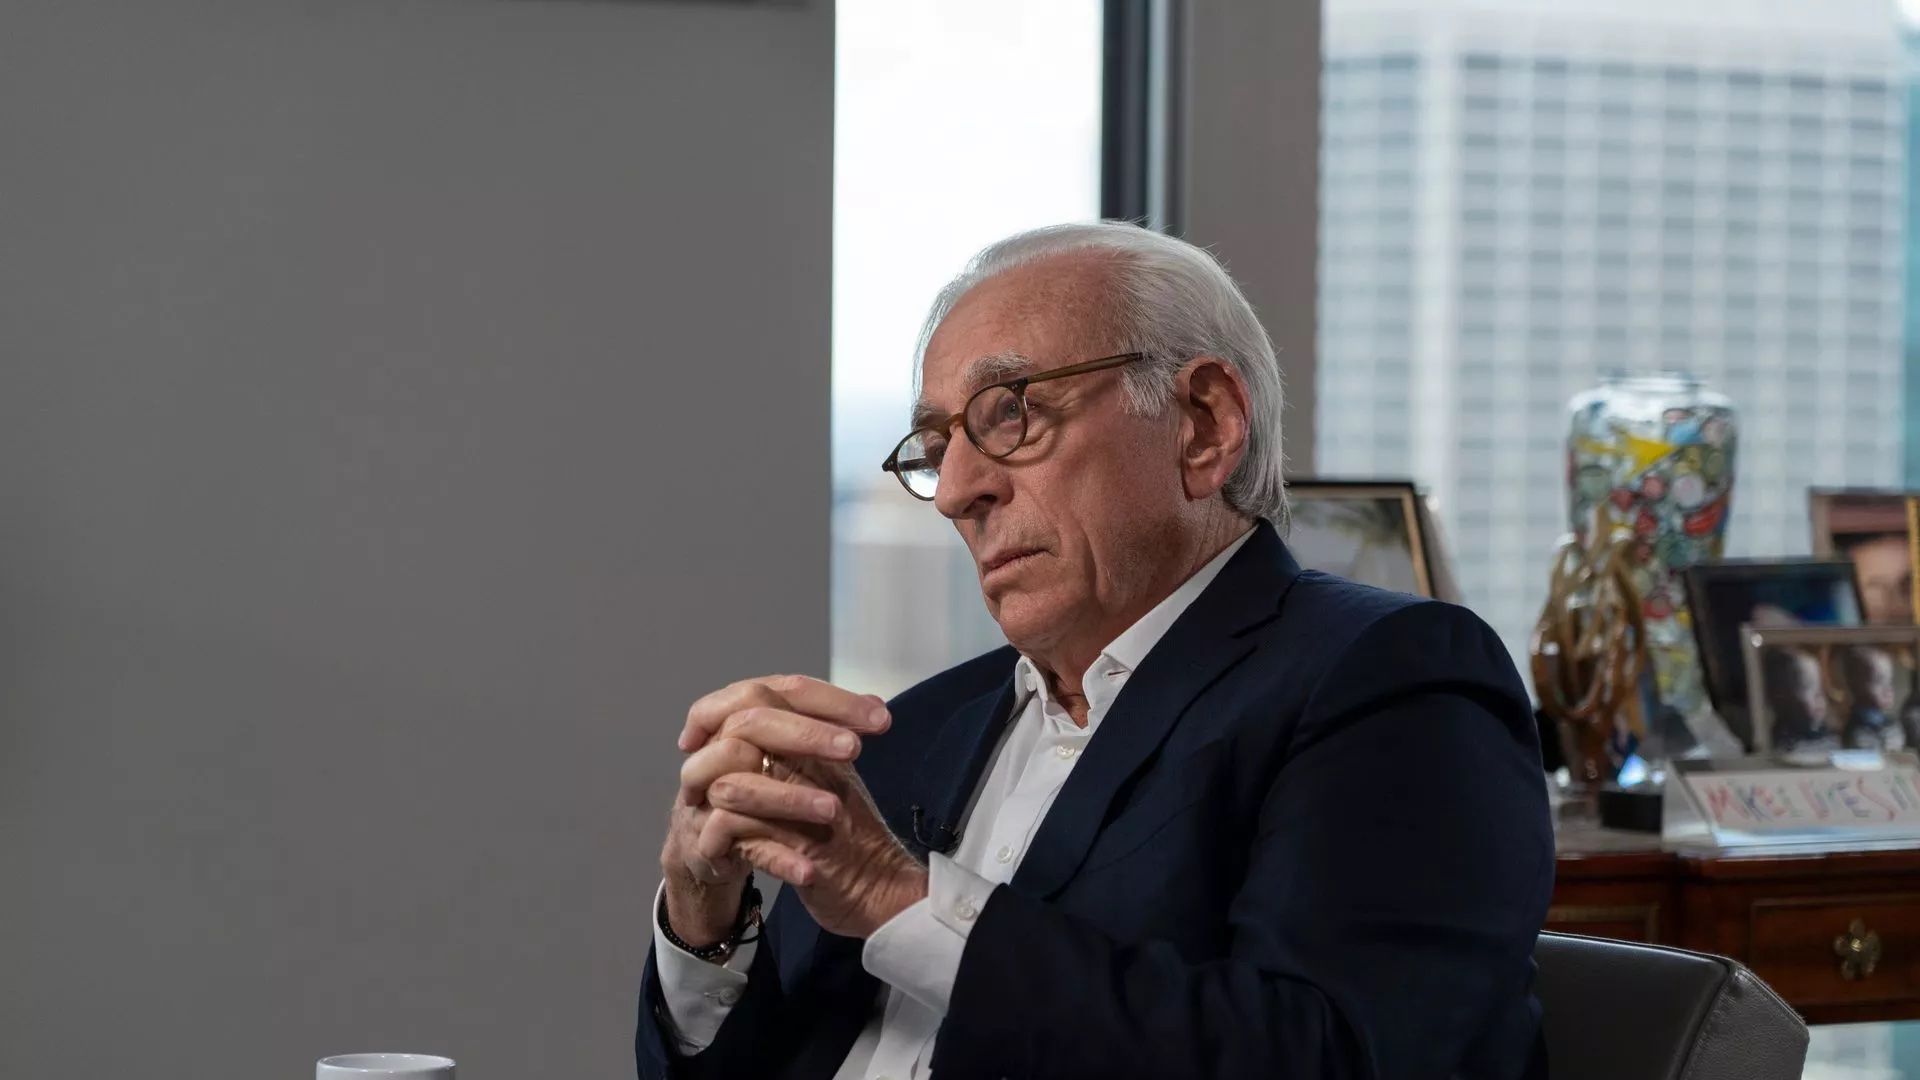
384 1067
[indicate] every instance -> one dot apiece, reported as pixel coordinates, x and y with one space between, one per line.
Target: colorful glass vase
1653 456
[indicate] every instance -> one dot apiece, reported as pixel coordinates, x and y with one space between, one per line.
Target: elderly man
1208 814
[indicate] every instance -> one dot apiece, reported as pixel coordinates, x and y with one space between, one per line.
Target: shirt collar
1116 662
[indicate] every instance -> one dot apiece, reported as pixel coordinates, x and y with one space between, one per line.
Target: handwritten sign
1782 803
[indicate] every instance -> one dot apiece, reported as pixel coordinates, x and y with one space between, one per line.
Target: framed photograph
1726 596
1830 688
1370 531
1879 531
1433 538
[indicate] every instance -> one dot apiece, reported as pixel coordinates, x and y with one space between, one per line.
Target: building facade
1518 198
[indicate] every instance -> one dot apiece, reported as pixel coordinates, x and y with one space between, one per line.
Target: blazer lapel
1204 643
951 770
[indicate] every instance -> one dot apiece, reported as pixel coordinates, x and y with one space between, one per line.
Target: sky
955 124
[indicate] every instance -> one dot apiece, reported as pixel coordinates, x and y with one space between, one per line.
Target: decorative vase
1653 455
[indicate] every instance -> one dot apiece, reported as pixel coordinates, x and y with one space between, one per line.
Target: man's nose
970 481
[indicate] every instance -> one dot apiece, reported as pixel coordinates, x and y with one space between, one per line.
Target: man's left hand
852 873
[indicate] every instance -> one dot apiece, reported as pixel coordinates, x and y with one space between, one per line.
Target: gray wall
406 408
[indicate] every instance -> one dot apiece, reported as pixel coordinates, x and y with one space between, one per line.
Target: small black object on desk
1636 808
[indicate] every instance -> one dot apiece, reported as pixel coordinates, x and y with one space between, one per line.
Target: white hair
1172 301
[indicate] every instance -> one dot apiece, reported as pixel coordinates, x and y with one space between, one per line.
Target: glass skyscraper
1520 197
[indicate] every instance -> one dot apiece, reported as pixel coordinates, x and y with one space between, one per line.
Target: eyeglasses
995 421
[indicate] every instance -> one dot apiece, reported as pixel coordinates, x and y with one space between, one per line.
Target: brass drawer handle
1858 950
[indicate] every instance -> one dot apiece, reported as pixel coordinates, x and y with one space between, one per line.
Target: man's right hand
733 730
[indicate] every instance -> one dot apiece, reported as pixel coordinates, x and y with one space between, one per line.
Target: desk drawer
1623 922
1793 946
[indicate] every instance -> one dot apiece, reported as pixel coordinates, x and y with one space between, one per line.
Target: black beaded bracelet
721 951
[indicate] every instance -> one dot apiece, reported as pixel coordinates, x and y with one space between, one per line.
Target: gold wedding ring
766 764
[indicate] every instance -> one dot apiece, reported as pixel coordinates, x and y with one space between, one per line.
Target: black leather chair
1619 1011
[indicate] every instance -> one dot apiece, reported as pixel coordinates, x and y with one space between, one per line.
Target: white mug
384 1067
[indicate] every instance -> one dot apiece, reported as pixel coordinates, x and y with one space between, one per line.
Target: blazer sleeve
1399 872
737 1048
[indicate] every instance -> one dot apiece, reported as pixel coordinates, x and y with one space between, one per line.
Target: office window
956 123
1868 92
1632 201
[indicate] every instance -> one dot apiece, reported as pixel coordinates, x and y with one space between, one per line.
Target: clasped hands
768 784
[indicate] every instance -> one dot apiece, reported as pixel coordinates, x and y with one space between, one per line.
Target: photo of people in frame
1726 596
1815 689
1874 529
1795 700
1872 700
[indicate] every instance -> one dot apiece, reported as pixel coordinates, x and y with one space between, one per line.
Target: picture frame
1724 597
1818 689
1879 531
1370 531
1433 539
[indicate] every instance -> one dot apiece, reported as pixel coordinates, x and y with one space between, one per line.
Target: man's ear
1215 419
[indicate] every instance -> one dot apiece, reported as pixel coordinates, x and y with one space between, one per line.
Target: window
1643 197
933 99
1867 92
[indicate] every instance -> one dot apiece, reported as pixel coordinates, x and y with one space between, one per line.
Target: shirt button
1066 752
965 911
1005 854
729 996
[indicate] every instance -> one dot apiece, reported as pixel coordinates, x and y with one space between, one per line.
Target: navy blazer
1310 839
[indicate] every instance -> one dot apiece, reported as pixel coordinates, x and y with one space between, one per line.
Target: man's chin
1024 617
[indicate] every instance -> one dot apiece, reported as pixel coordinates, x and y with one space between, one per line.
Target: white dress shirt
917 953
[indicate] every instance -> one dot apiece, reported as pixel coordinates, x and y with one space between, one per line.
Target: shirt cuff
698 994
918 951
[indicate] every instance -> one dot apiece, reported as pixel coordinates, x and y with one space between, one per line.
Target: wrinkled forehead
1025 319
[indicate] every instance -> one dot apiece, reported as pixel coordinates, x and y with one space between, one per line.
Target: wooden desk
1782 915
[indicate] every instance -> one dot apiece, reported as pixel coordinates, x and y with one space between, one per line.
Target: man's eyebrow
924 415
982 371
998 367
